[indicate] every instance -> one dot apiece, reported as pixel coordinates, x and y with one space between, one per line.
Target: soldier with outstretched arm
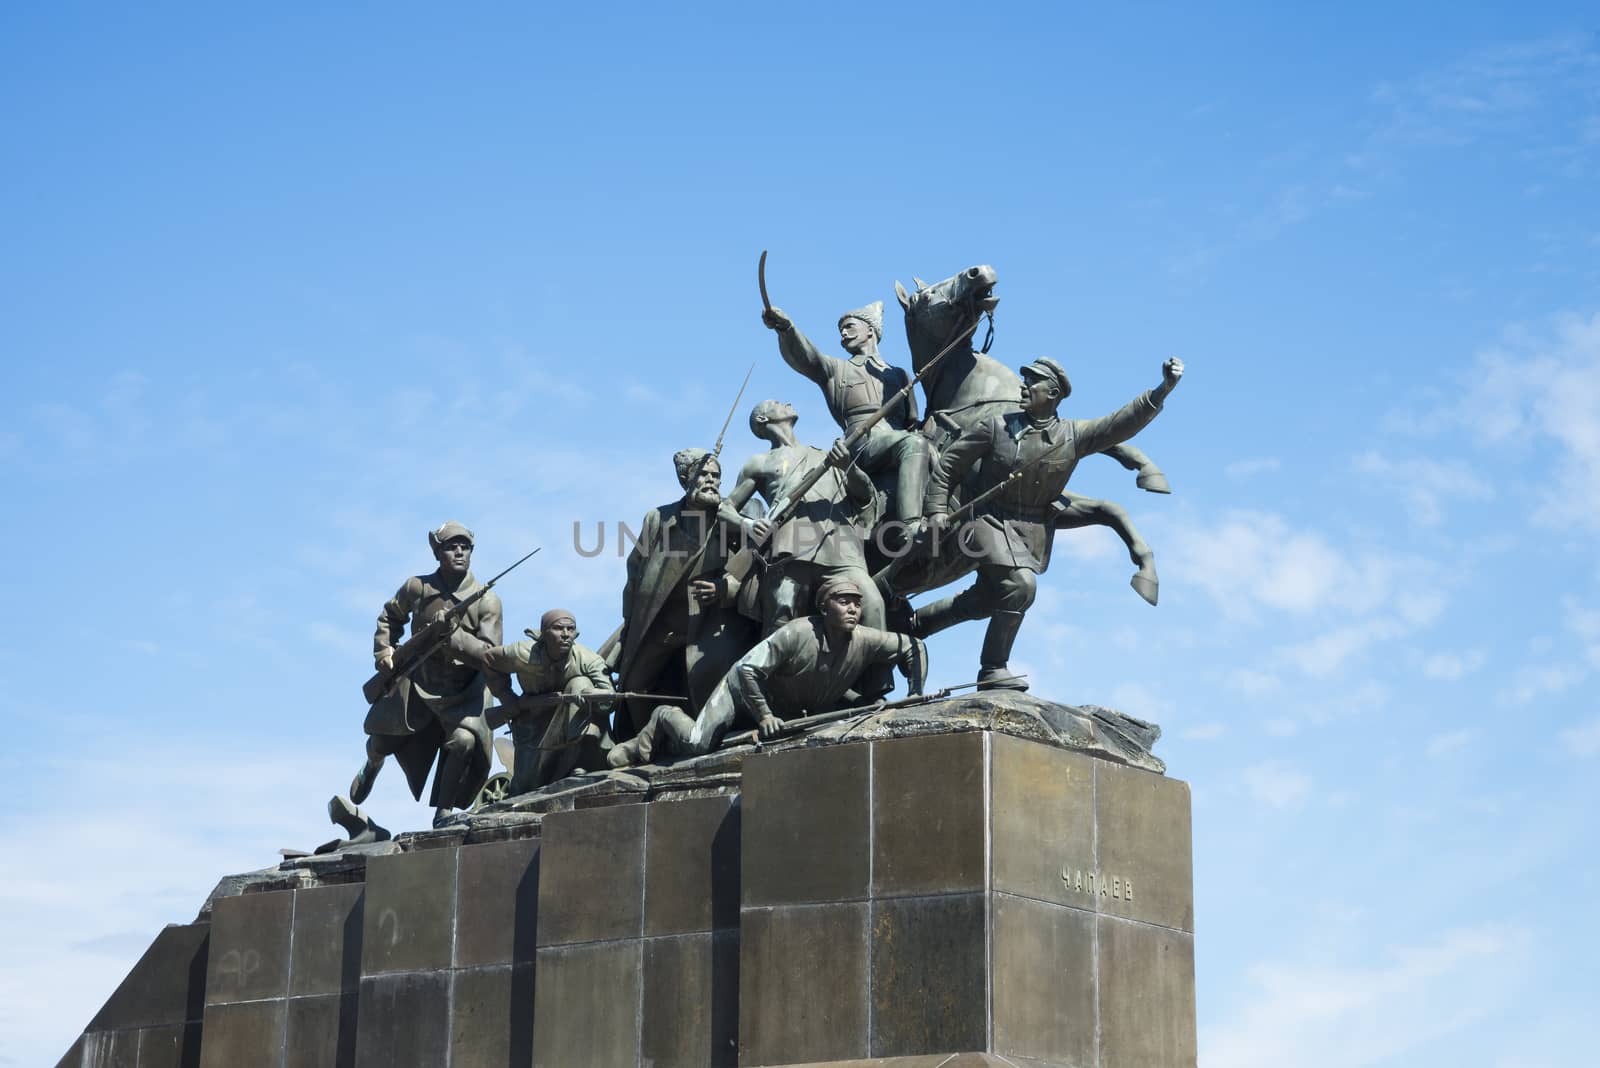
807 666
856 388
433 714
565 737
1010 536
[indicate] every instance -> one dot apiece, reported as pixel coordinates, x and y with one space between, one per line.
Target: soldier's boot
898 615
638 749
946 612
993 674
358 827
911 485
361 785
669 729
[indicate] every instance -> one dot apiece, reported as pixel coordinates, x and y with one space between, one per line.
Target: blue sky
287 287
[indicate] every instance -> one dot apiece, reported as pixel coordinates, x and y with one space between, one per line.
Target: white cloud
1089 543
1451 741
1583 740
1327 1015
1537 681
1141 701
1277 784
1254 683
1257 466
1543 391
1325 654
1203 732
1450 667
124 859
1254 561
1584 622
1425 485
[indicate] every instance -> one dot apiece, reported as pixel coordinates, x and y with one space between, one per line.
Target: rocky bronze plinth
894 894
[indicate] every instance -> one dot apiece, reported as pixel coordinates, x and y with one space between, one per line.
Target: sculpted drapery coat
446 692
657 623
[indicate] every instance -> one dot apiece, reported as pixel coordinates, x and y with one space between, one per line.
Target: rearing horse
968 386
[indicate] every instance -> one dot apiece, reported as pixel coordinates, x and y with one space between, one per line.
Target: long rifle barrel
804 723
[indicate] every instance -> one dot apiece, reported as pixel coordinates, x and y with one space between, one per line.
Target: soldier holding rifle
809 665
825 537
562 737
430 692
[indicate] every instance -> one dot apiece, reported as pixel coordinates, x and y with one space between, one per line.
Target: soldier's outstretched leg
946 612
666 725
378 747
672 730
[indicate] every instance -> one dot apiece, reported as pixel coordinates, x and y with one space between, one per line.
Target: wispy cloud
1277 784
155 855
1451 667
1260 465
1425 485
1250 562
1259 568
1451 741
1582 740
1541 680
1328 1015
1499 92
1542 390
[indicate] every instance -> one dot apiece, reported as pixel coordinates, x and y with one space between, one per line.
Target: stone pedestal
894 902
964 892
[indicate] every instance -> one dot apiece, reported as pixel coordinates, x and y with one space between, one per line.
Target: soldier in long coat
1011 535
680 626
434 717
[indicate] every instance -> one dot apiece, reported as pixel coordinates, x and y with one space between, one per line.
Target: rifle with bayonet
412 653
500 715
792 727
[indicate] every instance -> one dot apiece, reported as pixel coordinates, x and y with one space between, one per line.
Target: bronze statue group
789 596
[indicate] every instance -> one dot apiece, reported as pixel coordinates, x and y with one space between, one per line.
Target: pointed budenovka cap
449 529
872 315
1051 371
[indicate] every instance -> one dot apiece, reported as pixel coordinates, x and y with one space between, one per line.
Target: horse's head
936 314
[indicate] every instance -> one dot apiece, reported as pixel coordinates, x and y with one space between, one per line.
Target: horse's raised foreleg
1086 511
1132 458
